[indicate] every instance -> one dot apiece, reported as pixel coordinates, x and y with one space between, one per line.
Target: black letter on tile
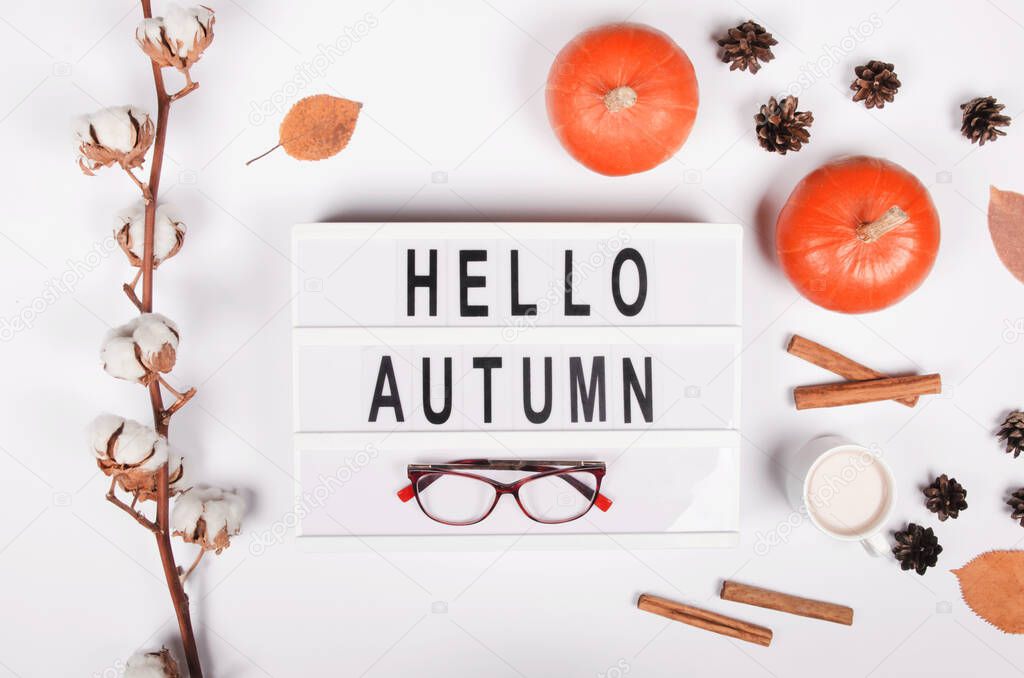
466 309
413 281
487 364
594 391
536 417
630 254
644 398
517 308
571 308
386 371
442 416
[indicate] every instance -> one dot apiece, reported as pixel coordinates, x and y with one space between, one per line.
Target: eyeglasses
556 492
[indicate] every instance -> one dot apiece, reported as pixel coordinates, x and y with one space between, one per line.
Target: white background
454 128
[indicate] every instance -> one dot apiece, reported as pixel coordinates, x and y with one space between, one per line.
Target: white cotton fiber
118 356
149 29
150 665
100 430
135 445
183 26
113 127
152 332
219 509
166 230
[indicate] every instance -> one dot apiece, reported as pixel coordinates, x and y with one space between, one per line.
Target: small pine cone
946 497
917 548
876 83
1012 433
782 128
746 46
982 120
1016 502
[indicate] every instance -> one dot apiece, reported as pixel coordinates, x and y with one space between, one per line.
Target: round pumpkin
622 98
857 235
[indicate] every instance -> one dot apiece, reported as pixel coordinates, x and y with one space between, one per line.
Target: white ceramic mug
845 489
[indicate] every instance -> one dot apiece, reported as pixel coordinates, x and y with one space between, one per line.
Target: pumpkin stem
893 217
620 98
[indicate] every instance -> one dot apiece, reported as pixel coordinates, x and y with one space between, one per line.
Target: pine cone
746 46
982 118
1012 433
1016 501
916 548
780 127
946 497
876 83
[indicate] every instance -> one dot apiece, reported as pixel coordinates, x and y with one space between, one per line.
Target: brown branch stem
147 195
161 419
130 510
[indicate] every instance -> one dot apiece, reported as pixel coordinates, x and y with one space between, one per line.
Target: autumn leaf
1006 226
317 127
993 586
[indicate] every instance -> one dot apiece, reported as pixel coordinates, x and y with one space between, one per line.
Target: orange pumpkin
858 235
622 98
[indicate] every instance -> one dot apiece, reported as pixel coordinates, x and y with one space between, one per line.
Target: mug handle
876 545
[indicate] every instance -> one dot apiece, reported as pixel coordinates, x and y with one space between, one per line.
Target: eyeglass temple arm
602 502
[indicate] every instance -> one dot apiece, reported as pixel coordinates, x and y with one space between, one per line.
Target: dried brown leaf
317 127
1006 226
993 586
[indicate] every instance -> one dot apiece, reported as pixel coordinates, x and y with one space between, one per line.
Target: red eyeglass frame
540 469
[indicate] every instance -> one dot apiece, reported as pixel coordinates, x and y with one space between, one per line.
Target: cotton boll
117 135
119 360
157 340
112 127
140 446
101 430
168 234
132 454
178 39
126 443
151 665
208 516
182 27
150 29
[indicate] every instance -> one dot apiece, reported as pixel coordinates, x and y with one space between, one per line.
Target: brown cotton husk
216 542
145 484
99 155
1006 226
993 586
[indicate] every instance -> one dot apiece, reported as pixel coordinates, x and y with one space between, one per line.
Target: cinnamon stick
837 363
873 390
704 619
783 602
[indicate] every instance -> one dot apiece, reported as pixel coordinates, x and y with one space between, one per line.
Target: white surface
453 92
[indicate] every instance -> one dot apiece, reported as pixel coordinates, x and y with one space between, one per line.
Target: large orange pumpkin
858 235
622 98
